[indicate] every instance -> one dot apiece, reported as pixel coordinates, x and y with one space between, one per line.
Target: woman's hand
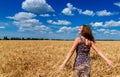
61 67
110 63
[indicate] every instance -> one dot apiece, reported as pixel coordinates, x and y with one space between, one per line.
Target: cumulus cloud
67 29
107 31
114 32
59 22
38 6
117 4
44 15
68 10
88 12
112 23
96 24
32 25
25 21
105 24
42 27
22 16
104 13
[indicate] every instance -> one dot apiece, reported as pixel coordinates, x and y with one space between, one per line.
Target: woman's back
82 54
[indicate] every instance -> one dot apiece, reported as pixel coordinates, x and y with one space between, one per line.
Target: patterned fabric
82 60
82 71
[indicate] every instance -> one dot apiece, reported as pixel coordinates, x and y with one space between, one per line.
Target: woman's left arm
109 62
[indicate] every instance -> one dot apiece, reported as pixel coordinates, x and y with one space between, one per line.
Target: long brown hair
87 33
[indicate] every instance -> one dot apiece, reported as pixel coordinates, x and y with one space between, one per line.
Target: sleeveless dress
82 61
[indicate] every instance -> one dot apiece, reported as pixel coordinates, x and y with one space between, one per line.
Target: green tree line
22 38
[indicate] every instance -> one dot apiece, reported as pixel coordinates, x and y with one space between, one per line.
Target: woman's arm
109 62
70 53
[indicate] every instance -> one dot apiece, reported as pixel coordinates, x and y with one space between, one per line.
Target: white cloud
59 22
38 6
44 15
24 21
67 29
98 13
50 21
112 32
106 24
117 4
2 27
27 23
87 12
104 31
31 25
115 32
97 24
68 10
42 27
103 13
107 31
112 23
22 16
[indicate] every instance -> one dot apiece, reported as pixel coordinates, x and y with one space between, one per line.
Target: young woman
82 46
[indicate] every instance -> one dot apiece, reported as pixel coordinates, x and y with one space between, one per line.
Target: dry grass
41 59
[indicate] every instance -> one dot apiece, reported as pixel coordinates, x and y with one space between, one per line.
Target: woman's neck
83 37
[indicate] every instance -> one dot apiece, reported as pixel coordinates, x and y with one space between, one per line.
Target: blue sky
59 19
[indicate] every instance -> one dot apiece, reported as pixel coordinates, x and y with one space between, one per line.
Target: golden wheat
41 59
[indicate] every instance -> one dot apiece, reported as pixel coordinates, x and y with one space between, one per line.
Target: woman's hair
87 33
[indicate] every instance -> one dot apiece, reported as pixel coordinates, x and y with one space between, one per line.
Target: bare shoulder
92 44
77 39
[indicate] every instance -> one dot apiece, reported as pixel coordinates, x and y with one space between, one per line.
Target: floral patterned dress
82 60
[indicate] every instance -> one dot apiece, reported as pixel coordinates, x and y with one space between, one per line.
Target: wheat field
41 58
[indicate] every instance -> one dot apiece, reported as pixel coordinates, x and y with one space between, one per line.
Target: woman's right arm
109 62
70 53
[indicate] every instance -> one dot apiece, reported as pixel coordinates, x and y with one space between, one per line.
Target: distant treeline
22 38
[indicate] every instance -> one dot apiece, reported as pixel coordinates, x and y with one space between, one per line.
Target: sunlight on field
41 59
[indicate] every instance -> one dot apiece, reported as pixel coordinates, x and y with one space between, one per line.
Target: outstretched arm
70 53
109 62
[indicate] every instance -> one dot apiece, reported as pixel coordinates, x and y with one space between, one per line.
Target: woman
82 46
